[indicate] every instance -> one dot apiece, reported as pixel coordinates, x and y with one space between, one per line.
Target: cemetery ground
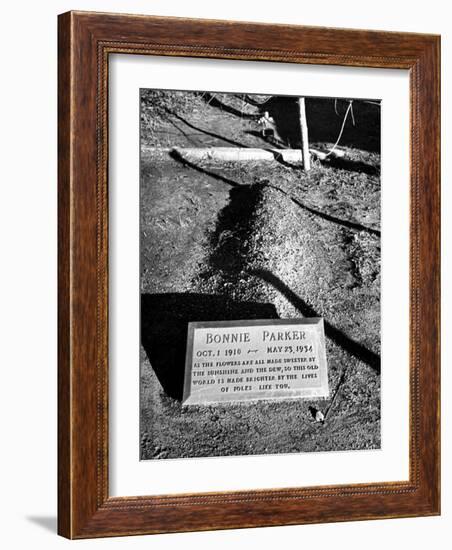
258 240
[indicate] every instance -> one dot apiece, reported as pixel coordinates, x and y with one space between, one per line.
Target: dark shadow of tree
325 120
340 338
212 99
351 165
164 324
177 156
207 132
324 116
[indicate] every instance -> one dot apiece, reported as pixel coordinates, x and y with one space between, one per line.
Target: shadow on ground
207 132
164 323
351 166
324 116
356 349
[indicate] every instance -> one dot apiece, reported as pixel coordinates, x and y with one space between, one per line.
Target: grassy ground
241 241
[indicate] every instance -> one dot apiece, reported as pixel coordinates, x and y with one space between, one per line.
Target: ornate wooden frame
85 42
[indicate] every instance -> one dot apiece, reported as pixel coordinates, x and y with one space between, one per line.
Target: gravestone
230 361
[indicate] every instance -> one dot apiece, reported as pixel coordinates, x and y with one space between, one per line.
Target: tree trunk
304 135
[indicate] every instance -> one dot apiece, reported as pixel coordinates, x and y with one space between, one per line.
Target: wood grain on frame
85 42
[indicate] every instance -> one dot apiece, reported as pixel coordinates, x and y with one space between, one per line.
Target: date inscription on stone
253 360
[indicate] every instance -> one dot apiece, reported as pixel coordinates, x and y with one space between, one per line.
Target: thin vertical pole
304 134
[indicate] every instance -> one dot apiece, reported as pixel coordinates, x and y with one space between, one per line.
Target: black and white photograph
260 219
225 231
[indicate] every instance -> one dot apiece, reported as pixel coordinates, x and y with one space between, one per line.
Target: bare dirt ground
258 240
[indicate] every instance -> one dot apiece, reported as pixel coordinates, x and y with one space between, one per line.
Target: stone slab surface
255 360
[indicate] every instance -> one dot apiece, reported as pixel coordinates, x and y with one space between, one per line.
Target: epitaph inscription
254 360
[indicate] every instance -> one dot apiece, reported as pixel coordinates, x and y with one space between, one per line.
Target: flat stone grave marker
254 360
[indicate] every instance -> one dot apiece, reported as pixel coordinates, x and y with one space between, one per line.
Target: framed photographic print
248 275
